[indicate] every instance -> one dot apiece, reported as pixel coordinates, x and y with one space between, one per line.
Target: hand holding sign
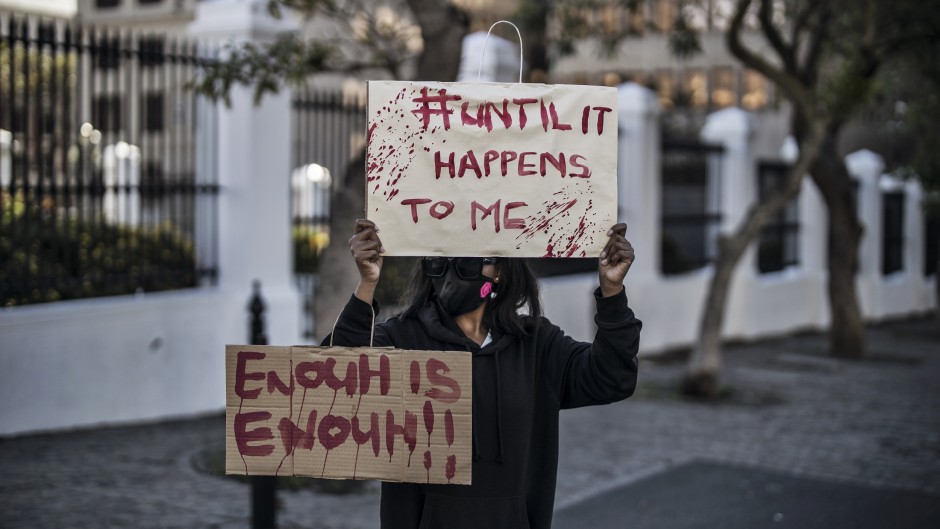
366 249
615 260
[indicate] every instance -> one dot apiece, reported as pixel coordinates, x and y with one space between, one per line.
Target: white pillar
914 246
639 177
813 242
733 129
254 175
866 167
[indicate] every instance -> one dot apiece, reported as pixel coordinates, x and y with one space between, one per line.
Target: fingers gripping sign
366 249
615 260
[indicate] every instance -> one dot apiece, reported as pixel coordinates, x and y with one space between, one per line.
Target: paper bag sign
348 413
488 169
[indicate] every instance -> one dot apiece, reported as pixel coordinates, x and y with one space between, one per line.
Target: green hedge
47 258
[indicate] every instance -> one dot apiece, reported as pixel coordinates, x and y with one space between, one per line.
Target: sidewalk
805 420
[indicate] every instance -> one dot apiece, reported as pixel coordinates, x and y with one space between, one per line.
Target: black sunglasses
465 267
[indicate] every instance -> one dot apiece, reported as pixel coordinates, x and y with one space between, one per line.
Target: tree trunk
443 28
847 330
703 372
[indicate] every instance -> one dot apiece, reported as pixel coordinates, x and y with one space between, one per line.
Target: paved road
857 429
709 495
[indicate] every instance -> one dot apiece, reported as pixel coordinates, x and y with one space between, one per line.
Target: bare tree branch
784 50
790 84
818 34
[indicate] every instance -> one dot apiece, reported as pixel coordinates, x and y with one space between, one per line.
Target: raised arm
366 249
355 325
605 370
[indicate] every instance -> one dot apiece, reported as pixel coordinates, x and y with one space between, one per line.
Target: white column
866 167
733 128
922 295
914 231
638 177
254 175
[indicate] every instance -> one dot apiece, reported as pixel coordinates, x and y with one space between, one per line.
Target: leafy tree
827 56
910 103
391 39
351 36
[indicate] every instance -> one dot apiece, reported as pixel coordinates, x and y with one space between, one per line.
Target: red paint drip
429 419
449 427
450 470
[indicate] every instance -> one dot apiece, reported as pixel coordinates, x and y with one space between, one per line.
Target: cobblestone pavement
789 408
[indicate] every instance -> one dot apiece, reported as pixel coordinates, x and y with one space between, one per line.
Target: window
694 89
153 112
931 244
106 113
690 205
724 91
637 17
892 244
665 12
778 244
146 2
755 91
100 4
666 88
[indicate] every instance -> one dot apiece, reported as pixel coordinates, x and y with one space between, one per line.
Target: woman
524 371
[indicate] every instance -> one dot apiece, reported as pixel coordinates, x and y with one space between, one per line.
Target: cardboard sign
348 413
488 169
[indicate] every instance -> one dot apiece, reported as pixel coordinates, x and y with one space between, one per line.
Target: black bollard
263 488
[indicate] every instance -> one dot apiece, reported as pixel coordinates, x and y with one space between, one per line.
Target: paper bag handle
371 329
487 41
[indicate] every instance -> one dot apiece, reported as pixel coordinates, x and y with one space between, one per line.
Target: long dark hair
518 288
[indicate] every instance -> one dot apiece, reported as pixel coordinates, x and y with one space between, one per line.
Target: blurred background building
136 214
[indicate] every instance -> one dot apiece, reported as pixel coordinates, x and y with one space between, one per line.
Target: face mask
460 296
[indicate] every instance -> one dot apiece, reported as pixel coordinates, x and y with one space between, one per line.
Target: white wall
113 360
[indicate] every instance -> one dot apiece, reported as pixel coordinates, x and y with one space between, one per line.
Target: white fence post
733 128
254 174
866 167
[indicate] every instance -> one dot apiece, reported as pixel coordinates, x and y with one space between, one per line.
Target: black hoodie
519 385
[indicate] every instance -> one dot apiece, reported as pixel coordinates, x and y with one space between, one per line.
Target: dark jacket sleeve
355 324
601 372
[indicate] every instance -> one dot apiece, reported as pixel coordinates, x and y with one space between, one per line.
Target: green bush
308 243
44 257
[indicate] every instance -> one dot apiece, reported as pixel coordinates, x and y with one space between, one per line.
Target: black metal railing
892 232
328 134
691 209
100 193
779 242
931 244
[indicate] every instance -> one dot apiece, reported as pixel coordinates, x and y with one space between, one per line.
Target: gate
100 193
